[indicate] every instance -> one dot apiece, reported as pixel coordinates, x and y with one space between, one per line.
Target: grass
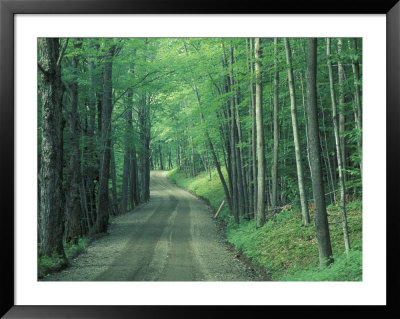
283 246
50 264
202 186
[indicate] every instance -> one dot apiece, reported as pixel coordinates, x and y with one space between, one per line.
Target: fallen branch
219 209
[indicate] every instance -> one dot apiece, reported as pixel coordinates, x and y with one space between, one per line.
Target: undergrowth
49 264
287 250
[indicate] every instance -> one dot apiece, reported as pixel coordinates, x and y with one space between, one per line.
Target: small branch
121 95
62 52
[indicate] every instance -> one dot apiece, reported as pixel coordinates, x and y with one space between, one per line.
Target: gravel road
173 237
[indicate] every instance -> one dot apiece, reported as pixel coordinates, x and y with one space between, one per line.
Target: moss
54 263
50 264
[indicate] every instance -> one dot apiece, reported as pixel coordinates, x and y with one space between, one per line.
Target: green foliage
210 190
287 250
346 267
180 88
49 264
71 250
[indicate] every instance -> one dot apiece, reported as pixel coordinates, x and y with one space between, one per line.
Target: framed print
99 99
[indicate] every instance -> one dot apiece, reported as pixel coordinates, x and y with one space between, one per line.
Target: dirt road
173 237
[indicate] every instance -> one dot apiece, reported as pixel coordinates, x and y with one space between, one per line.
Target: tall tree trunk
305 119
103 207
74 213
260 216
240 164
134 184
235 136
144 127
341 108
92 169
127 152
113 172
253 131
297 147
337 142
251 166
321 218
357 97
160 154
51 197
274 170
328 162
232 139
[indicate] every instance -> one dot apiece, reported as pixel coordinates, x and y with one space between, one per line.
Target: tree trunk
242 184
103 207
74 213
144 127
127 152
91 169
338 148
274 170
260 216
232 139
251 142
321 218
51 197
235 138
305 119
134 186
113 172
341 109
297 147
253 132
357 97
160 154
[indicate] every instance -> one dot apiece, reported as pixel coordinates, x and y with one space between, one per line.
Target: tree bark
253 131
338 148
341 108
144 127
297 147
321 218
260 216
252 164
103 207
51 196
274 170
232 144
357 97
127 152
134 180
236 131
113 172
74 213
91 169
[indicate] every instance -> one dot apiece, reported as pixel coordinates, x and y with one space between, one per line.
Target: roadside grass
50 264
201 185
287 250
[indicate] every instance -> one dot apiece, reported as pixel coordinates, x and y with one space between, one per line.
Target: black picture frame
8 8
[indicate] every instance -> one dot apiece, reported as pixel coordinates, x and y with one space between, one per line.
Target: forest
268 130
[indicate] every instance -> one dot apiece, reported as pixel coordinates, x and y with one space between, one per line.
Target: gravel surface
173 237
